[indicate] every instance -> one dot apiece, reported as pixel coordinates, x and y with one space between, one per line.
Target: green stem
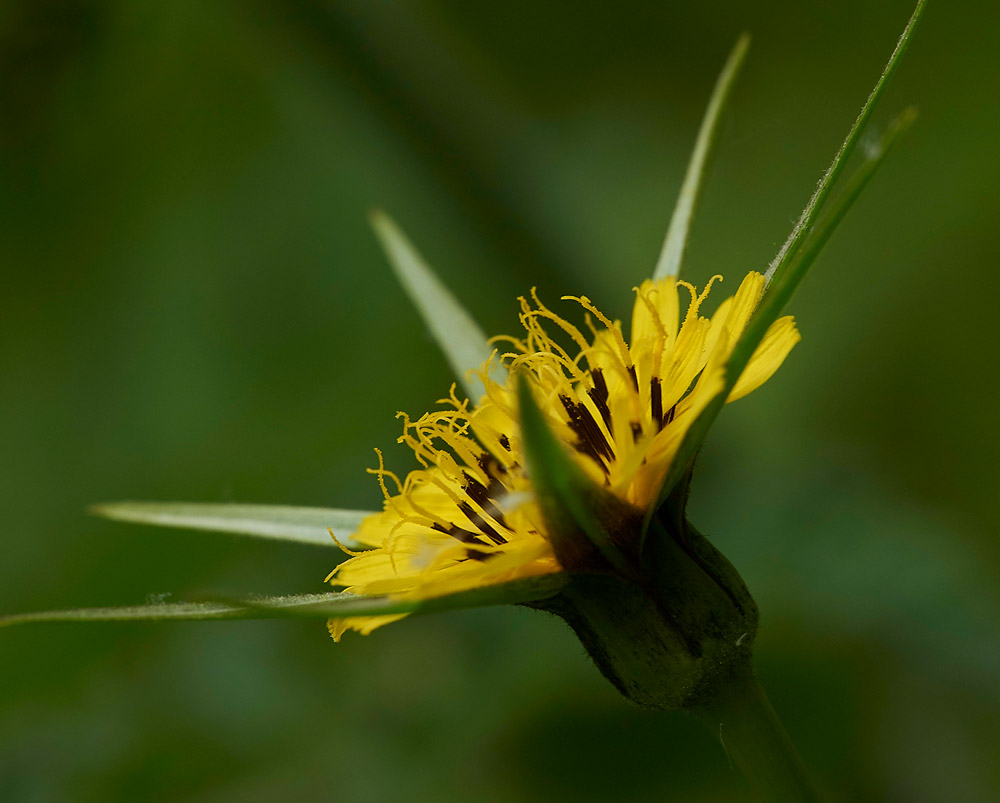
743 720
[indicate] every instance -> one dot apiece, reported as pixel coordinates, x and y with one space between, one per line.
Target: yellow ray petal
781 337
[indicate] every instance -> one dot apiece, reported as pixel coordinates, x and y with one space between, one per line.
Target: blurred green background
193 308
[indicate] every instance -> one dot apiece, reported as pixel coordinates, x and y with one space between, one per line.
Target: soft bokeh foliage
193 307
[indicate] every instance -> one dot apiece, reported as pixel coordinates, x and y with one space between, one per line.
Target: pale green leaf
317 606
459 337
672 253
305 525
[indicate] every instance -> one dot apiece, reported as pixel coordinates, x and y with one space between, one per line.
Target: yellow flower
469 518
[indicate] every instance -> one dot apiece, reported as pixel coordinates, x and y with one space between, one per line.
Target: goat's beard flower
469 518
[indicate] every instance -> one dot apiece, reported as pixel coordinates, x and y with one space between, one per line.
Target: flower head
469 517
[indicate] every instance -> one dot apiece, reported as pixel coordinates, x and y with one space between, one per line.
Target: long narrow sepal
570 502
771 305
804 224
459 337
310 606
303 525
672 253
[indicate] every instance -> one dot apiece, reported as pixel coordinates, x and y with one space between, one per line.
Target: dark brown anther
459 534
484 496
599 395
591 440
656 401
670 415
481 524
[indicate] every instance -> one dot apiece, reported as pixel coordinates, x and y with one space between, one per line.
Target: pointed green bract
153 612
804 224
795 257
568 498
672 253
339 605
304 525
313 606
784 284
461 340
771 304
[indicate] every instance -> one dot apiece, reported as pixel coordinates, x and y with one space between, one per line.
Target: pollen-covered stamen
456 438
449 427
662 336
621 357
562 369
425 455
697 299
381 473
519 345
562 323
616 332
539 341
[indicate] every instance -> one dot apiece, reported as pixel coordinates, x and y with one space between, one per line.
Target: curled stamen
613 328
661 332
381 473
562 323
343 548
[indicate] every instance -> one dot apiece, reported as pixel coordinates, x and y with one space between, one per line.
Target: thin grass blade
459 337
304 525
672 253
313 606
